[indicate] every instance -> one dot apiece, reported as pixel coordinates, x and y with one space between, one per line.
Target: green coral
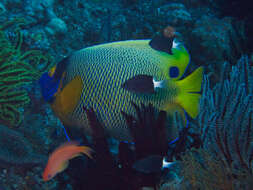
17 68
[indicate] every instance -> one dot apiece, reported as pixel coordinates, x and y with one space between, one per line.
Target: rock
16 150
175 14
12 4
48 3
42 10
172 177
213 35
36 38
2 8
56 26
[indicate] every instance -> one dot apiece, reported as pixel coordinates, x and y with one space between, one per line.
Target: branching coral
225 121
17 68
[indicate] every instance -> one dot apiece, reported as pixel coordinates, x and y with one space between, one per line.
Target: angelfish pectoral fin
71 94
67 99
140 84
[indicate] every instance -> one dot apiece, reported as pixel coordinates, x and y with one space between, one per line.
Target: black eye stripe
173 72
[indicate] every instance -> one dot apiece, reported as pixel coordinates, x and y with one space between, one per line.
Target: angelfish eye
173 72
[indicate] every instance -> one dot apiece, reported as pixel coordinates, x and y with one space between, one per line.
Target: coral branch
17 69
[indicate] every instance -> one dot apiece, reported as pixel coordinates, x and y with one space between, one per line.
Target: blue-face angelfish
109 76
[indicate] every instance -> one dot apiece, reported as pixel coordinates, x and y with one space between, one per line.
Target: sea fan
225 120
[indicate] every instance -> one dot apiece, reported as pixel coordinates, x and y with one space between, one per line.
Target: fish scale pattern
104 69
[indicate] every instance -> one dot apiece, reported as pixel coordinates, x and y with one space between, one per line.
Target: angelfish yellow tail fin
189 89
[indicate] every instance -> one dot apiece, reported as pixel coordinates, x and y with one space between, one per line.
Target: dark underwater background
36 34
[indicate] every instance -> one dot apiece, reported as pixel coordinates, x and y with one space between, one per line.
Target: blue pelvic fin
66 134
186 126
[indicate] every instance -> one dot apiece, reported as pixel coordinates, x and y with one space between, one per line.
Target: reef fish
59 159
109 76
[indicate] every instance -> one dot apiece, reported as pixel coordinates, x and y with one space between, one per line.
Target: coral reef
229 106
17 68
40 9
224 126
214 37
11 179
16 150
202 171
56 26
225 123
176 14
147 129
2 8
213 34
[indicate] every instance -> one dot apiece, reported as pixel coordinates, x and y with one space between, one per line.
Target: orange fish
59 159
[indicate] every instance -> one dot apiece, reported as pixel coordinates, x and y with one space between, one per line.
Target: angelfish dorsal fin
162 43
164 40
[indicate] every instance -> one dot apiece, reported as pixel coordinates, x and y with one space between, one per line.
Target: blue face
49 87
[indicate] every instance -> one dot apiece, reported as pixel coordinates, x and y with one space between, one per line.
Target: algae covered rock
213 35
2 8
56 26
16 149
176 14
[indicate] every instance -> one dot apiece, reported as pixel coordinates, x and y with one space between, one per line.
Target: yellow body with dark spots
94 78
